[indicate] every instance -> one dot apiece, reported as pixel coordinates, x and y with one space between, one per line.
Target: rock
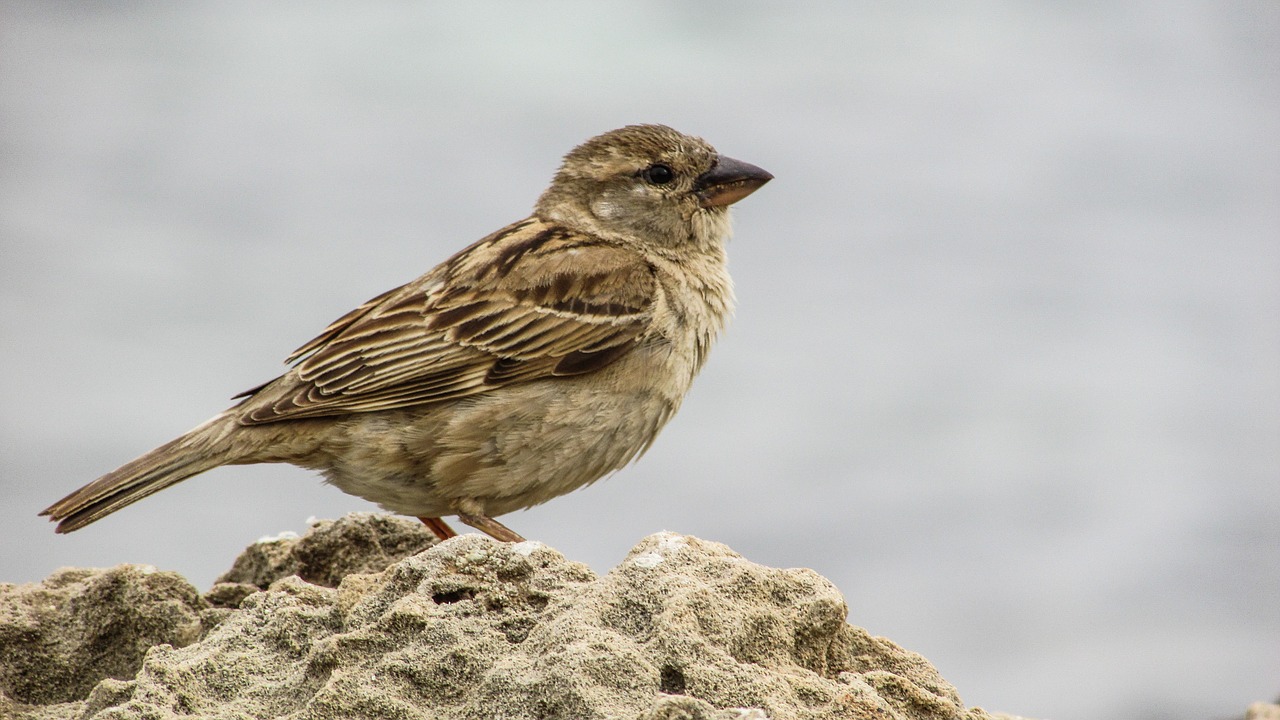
59 638
330 551
470 628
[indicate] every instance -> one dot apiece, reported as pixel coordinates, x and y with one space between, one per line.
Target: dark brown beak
728 182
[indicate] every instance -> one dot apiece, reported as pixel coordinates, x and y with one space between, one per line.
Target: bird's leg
439 527
490 527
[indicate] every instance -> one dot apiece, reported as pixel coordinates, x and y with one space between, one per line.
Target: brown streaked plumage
535 361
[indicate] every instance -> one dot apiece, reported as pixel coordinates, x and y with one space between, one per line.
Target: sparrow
531 363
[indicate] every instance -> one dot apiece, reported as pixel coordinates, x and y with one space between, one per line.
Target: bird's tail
204 448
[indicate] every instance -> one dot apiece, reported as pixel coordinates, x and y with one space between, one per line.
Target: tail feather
204 448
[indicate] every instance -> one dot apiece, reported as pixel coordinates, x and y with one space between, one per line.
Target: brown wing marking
465 328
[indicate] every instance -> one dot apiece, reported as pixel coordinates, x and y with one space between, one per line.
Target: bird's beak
728 181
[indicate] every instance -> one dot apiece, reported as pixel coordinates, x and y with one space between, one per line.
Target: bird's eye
658 174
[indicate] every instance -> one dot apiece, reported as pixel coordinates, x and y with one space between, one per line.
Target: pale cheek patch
605 209
607 206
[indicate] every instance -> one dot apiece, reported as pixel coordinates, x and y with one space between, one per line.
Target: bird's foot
438 527
491 527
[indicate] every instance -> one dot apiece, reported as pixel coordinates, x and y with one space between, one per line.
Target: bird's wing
533 300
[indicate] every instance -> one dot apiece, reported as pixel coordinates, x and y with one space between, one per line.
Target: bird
533 362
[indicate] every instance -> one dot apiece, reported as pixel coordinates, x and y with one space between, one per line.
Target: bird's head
649 182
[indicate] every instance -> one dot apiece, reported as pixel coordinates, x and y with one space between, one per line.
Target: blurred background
1006 362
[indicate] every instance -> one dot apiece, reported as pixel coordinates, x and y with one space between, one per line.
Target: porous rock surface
470 628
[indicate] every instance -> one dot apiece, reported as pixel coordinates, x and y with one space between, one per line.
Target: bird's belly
507 450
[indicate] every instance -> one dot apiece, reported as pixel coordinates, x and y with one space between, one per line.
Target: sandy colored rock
331 550
474 628
60 637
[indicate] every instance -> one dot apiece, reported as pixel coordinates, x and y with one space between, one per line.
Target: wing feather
533 300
